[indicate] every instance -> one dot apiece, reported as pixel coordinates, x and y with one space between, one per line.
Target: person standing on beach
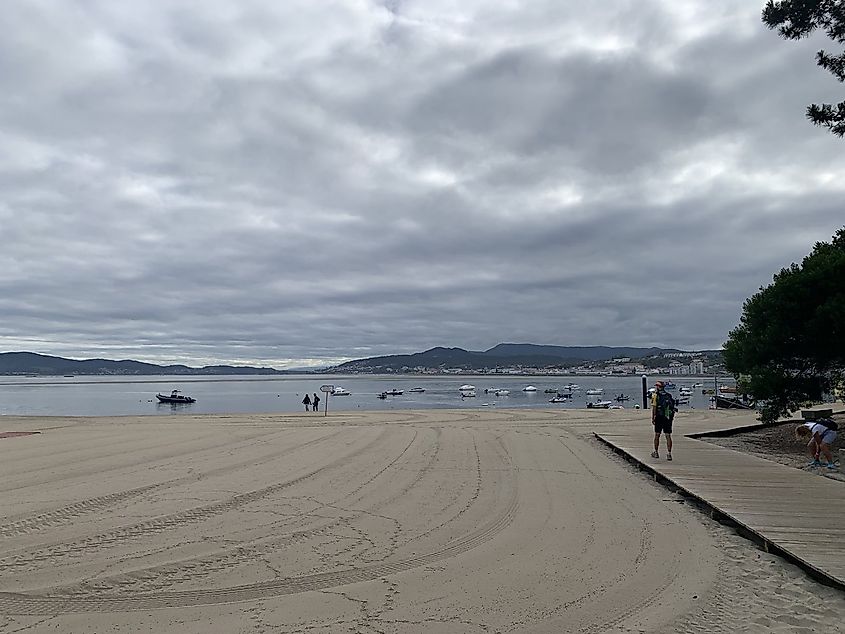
307 402
662 414
821 434
316 402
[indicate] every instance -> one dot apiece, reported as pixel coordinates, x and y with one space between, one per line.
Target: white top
811 425
818 428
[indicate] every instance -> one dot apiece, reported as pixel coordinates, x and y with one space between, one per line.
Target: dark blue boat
175 397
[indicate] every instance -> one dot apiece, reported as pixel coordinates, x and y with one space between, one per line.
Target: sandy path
435 521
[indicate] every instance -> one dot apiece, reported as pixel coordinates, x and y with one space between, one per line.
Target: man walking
307 402
315 402
662 414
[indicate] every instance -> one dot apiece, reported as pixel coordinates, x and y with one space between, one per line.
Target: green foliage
795 19
790 342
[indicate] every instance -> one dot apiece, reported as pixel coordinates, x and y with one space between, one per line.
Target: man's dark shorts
662 425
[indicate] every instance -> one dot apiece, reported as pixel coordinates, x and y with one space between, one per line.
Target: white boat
572 386
466 388
529 388
502 392
600 405
467 393
559 399
340 391
594 392
394 392
416 390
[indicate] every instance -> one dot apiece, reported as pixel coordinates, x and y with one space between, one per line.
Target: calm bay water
116 396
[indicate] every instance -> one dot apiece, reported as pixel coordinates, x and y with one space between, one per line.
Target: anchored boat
175 397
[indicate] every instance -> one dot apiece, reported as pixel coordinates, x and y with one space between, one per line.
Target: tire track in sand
28 604
26 524
159 577
166 522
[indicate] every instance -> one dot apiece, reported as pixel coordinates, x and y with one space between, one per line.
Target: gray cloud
303 183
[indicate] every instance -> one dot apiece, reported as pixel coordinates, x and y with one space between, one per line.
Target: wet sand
406 521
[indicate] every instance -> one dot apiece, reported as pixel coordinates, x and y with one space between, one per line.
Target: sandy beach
394 522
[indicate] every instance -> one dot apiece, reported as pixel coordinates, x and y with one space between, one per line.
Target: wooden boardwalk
796 514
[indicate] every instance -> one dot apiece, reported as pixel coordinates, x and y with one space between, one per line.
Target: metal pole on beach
645 392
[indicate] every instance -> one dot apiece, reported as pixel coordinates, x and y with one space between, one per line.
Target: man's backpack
666 405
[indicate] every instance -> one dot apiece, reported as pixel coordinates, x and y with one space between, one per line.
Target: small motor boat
175 397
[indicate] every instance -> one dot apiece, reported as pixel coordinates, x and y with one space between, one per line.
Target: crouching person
819 435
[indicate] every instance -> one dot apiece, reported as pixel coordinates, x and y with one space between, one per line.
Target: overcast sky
304 182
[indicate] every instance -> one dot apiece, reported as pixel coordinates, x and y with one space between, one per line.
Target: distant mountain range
18 363
504 355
